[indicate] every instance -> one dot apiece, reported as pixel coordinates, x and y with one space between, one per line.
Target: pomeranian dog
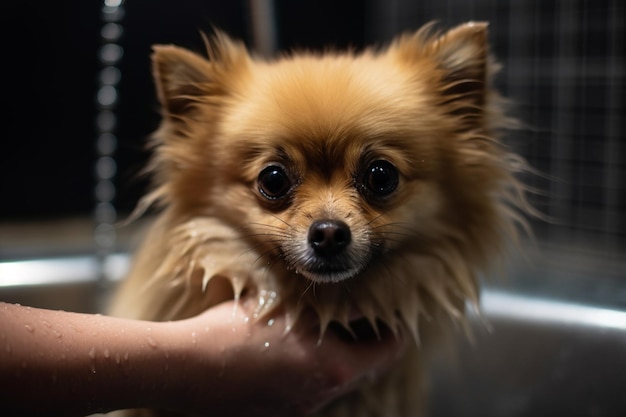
370 184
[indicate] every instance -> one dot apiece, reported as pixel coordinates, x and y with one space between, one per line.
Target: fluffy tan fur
424 103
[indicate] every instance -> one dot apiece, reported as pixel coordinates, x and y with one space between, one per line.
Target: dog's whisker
281 220
306 289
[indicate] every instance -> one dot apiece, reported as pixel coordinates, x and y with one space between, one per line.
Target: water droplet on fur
29 328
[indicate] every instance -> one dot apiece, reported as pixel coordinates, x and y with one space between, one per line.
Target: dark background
47 153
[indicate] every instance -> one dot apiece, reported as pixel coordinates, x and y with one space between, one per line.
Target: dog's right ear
185 79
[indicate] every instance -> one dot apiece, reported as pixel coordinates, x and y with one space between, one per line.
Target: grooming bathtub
536 351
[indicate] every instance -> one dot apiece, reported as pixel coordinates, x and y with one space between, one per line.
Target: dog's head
339 164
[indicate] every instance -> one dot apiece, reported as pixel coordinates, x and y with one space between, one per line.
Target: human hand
255 368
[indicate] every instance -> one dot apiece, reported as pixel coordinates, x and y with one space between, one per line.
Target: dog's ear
185 79
463 55
461 64
179 76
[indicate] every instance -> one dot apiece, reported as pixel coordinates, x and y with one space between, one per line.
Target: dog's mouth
322 272
329 254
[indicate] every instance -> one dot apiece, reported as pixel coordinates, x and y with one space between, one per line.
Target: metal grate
564 68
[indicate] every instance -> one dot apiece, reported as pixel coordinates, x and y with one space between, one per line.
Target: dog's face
329 164
331 172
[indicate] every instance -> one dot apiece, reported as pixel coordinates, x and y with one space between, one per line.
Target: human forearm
60 363
79 364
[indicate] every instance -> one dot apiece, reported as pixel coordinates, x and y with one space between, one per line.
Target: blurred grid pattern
564 68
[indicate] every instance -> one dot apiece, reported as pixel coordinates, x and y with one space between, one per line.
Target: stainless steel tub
533 354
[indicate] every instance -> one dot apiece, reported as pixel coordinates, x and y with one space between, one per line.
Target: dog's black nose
329 237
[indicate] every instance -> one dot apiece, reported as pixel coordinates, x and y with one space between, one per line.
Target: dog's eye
274 183
381 178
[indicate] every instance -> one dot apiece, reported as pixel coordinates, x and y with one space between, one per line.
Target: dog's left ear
463 56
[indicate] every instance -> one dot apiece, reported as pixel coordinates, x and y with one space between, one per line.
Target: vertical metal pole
264 29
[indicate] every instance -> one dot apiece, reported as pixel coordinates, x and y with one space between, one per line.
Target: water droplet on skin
193 338
57 334
151 342
266 344
246 319
270 322
92 355
45 323
106 353
29 328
